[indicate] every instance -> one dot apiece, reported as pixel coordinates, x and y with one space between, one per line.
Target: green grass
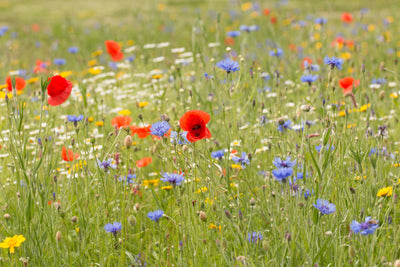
236 201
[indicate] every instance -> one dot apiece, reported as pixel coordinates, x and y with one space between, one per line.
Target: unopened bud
352 252
74 219
252 201
128 141
7 216
132 220
265 245
137 206
396 263
203 216
228 214
382 95
58 236
228 49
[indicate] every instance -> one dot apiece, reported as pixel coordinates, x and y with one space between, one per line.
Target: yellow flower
157 76
124 112
90 119
161 7
153 182
99 123
236 166
143 104
213 226
385 192
12 242
97 53
65 74
94 71
201 190
130 42
364 107
394 95
346 55
360 178
92 63
32 80
3 95
246 6
167 188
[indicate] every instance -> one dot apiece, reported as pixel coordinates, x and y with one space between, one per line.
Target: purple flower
334 62
217 154
321 21
254 237
324 206
73 118
282 173
173 178
105 165
366 228
73 50
181 139
243 160
233 34
155 215
228 65
113 227
160 128
59 61
288 163
309 78
276 52
284 126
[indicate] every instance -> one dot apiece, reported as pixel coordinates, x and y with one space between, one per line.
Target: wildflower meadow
199 133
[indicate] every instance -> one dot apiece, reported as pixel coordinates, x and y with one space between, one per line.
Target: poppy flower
114 50
19 83
121 121
142 132
41 66
347 84
143 162
58 90
68 156
229 41
304 64
194 121
266 11
347 17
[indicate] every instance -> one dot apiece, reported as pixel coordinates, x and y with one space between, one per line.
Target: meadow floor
199 133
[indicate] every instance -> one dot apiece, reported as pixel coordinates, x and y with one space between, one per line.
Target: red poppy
194 121
68 156
114 50
58 90
142 132
306 59
35 27
266 11
347 17
19 83
273 20
143 162
229 41
41 66
121 121
347 84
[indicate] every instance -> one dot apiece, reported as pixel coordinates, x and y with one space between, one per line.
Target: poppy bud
252 201
352 190
203 216
273 193
328 233
265 245
382 95
228 214
352 252
128 141
74 219
7 216
132 220
307 108
18 194
137 206
58 236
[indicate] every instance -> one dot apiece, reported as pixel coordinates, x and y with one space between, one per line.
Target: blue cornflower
284 126
249 28
321 21
309 78
366 228
233 34
307 194
300 175
105 165
282 174
276 52
113 227
160 128
324 206
379 81
59 61
155 215
334 62
173 178
228 65
73 50
327 147
208 76
3 30
217 154
129 178
373 151
243 160
131 58
254 237
73 118
180 140
288 163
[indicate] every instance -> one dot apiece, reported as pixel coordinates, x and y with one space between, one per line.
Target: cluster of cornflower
285 168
